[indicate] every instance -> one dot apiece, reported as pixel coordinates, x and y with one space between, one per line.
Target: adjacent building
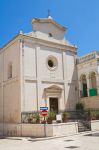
88 79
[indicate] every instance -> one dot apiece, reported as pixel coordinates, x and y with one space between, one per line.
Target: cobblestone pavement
76 142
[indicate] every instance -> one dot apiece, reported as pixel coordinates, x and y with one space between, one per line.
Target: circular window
50 35
52 62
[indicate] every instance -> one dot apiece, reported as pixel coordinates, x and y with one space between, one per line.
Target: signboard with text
43 108
44 111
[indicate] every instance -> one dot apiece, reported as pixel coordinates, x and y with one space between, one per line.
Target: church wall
43 70
35 96
1 89
37 75
71 94
9 88
10 55
43 97
62 100
11 102
1 105
1 67
70 64
30 96
29 61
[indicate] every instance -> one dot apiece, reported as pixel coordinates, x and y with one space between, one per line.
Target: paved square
76 142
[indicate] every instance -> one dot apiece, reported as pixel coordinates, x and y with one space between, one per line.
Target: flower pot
29 120
37 121
49 121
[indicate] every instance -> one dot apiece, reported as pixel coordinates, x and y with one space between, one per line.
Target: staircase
84 126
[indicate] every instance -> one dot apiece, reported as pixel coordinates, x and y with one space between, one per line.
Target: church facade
38 69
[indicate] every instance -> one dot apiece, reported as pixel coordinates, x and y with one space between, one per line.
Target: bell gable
50 27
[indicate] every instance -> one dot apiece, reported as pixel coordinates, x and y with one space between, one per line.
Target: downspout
3 92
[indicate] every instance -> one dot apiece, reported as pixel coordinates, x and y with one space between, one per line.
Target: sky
81 17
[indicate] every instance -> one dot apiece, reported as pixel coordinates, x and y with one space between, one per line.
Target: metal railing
36 117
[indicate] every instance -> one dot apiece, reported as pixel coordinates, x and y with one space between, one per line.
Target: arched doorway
84 85
53 104
53 97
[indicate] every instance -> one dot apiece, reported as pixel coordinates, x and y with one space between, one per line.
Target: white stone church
41 68
37 69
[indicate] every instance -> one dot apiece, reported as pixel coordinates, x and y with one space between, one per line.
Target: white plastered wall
1 88
29 60
42 58
10 88
30 96
37 79
49 28
71 94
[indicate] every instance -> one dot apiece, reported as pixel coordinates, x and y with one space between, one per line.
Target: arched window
92 78
83 81
93 84
9 70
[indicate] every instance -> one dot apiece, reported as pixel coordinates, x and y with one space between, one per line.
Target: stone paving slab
88 141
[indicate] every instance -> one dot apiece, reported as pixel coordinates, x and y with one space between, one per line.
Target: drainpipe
3 93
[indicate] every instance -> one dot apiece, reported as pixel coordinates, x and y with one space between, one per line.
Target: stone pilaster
80 88
88 85
97 82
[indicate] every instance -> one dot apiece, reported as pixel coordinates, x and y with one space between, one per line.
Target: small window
10 70
50 35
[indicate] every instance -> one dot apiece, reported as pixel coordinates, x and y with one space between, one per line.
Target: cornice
53 81
11 42
38 41
87 62
50 43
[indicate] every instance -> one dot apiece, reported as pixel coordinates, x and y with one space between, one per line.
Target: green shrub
79 106
37 117
65 116
94 115
51 116
30 118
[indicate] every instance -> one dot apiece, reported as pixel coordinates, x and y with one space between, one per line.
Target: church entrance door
53 104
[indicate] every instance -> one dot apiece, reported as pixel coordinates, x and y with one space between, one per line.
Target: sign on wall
43 108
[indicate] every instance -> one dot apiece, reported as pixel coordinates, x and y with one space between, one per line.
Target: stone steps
82 126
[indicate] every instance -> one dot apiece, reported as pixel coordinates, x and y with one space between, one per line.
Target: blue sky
81 17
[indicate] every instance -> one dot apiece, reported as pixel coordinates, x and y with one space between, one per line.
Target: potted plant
37 117
51 117
65 116
30 118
